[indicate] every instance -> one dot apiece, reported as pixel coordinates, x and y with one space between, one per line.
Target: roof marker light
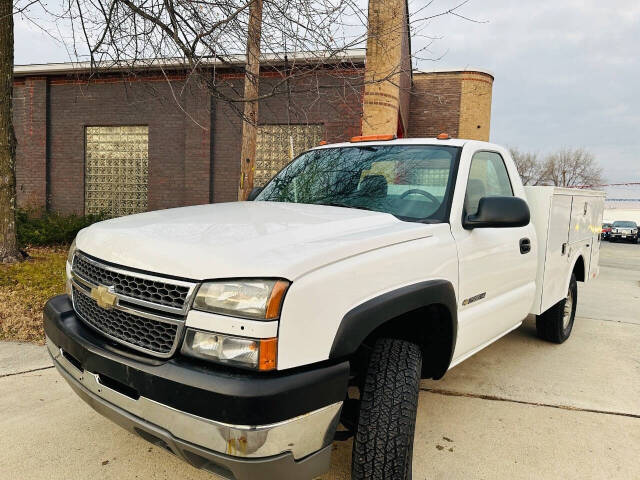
372 138
322 143
443 136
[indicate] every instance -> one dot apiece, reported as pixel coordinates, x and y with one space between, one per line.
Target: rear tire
555 324
383 445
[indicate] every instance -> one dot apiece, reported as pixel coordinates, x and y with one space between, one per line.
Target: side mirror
499 212
255 191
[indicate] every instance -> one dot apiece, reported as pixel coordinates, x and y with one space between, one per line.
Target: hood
243 239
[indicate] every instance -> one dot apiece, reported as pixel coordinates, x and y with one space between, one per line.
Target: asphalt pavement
520 409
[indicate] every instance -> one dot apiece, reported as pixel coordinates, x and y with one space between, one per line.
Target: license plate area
118 387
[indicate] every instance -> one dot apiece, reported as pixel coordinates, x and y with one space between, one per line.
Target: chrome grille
144 312
154 291
148 334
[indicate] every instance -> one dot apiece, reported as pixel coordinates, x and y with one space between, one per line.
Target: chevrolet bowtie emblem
103 297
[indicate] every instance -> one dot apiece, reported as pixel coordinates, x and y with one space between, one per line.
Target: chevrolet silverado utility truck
246 337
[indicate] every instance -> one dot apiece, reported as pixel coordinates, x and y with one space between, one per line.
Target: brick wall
30 120
337 106
475 105
194 146
227 133
197 148
188 164
458 103
435 104
176 147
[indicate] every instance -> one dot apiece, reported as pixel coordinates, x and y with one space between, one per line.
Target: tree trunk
8 245
251 85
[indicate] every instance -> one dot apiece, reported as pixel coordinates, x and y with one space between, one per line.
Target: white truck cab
240 335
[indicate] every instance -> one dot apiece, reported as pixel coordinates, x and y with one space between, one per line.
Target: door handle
525 246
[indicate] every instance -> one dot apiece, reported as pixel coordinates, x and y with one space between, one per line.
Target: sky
567 73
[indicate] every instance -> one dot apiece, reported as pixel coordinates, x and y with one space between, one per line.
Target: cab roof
452 142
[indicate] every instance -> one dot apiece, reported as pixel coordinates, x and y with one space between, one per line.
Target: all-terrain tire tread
388 406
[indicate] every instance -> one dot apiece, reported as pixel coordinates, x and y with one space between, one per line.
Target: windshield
412 182
624 224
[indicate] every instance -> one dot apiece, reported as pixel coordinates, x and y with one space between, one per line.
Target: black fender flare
359 322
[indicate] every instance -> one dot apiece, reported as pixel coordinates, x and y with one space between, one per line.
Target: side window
488 177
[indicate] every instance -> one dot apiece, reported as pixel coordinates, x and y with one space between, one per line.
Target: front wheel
555 324
383 445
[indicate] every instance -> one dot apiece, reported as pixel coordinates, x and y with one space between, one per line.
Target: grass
24 289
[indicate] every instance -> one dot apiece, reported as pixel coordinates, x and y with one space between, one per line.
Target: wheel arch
425 312
579 268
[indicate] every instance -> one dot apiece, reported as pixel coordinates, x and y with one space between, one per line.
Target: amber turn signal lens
275 299
372 138
268 354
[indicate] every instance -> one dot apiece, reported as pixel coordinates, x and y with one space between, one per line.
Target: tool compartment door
584 219
557 261
584 234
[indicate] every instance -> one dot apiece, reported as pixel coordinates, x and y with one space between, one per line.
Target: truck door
497 266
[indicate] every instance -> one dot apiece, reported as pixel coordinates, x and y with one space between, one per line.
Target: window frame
484 150
447 201
85 151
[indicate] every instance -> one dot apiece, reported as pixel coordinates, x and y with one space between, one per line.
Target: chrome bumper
301 445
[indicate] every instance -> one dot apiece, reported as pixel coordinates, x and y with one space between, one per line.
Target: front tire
555 324
383 445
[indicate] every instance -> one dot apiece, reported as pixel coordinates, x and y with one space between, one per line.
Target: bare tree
564 168
298 39
199 36
531 169
192 38
251 90
8 244
572 168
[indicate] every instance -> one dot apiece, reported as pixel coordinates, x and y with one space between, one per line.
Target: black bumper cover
234 397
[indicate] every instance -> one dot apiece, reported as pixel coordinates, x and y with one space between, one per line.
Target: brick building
126 143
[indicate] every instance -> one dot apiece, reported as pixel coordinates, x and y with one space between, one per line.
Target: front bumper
126 388
624 236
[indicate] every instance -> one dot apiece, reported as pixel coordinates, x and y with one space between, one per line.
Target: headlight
255 299
257 354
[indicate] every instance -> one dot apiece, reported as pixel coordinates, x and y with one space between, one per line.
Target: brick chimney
387 69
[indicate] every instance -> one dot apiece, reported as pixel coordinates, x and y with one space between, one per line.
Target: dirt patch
24 289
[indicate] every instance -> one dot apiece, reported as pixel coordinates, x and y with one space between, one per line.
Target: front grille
145 333
154 291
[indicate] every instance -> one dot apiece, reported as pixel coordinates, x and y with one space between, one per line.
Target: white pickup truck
239 336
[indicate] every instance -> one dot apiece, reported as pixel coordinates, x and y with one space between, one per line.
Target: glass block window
430 176
116 170
277 145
